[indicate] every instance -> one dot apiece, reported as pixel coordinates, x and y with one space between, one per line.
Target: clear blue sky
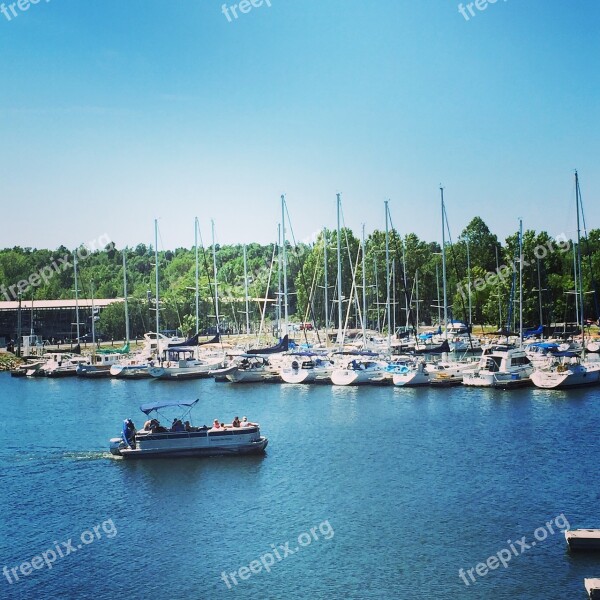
114 112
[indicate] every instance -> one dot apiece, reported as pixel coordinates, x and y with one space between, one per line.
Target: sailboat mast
387 273
93 319
445 291
469 281
212 224
284 260
197 296
417 292
439 300
520 283
581 297
125 296
339 273
364 289
76 294
246 291
326 282
156 283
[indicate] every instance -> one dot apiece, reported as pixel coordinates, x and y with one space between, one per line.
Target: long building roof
58 304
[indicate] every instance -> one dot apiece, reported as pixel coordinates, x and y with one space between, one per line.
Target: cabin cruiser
100 362
305 367
155 441
182 362
568 372
137 365
500 366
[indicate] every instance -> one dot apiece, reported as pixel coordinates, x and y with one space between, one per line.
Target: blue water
402 488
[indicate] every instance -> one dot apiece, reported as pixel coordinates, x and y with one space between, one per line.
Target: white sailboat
571 371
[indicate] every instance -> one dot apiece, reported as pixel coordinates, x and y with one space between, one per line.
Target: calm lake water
401 488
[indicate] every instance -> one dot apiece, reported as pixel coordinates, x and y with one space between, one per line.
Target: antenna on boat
212 223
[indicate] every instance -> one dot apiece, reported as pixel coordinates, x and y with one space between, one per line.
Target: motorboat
100 362
501 366
155 441
182 363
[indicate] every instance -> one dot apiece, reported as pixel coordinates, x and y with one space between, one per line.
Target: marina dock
592 587
583 540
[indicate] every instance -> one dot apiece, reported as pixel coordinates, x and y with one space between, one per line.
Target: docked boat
501 366
583 539
181 363
60 364
447 372
136 367
307 368
362 371
413 375
252 368
100 363
570 372
155 441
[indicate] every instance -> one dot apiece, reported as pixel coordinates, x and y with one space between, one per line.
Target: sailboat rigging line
409 311
588 252
303 279
210 287
465 311
352 269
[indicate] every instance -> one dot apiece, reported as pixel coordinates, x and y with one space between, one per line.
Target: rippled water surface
401 488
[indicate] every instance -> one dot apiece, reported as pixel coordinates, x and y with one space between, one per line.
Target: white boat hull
574 376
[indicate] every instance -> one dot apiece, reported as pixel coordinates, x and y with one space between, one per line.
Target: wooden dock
592 587
583 540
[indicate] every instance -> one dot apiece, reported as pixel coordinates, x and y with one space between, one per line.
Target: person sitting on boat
246 423
147 425
177 425
216 424
188 427
157 427
236 422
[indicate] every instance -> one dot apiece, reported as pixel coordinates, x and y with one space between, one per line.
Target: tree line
415 281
